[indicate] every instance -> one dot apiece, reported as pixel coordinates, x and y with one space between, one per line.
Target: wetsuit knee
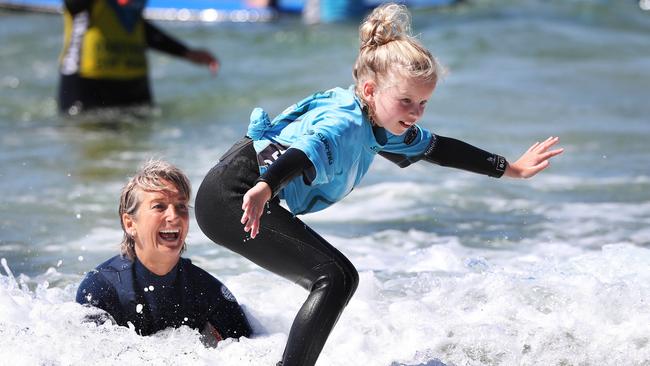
340 279
353 281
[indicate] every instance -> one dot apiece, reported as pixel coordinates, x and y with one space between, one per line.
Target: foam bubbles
590 308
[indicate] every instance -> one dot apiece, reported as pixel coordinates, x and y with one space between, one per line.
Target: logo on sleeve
501 163
227 294
411 134
432 145
270 154
328 150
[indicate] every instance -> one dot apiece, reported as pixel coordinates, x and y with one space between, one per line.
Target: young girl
315 152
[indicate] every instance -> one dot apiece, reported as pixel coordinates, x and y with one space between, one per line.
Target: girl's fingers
548 143
542 149
245 216
544 145
549 154
555 152
251 221
251 217
539 167
255 228
253 207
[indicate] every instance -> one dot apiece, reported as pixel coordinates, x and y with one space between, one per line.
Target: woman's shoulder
202 280
198 275
105 270
116 263
99 284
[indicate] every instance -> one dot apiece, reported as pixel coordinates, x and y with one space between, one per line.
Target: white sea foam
449 304
588 224
386 201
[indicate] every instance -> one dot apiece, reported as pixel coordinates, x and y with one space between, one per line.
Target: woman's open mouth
169 234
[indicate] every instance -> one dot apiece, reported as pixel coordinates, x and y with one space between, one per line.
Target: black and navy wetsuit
187 295
103 62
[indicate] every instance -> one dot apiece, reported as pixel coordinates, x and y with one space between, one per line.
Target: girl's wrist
265 188
511 171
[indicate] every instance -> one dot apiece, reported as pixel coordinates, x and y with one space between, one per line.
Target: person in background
103 62
314 153
330 11
149 284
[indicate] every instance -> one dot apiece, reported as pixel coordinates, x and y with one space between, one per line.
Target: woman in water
149 284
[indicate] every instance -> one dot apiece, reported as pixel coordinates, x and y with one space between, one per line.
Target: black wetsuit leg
86 94
284 245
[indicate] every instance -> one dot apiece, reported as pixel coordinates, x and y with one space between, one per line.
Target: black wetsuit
284 245
187 295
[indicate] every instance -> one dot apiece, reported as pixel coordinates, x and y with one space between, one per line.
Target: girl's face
399 104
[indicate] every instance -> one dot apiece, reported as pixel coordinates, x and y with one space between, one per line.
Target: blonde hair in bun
387 47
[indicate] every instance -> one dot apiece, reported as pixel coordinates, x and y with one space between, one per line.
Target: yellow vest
97 45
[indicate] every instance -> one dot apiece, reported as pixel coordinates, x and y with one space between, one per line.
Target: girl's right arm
292 163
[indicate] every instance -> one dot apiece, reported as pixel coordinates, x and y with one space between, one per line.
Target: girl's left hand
534 160
253 206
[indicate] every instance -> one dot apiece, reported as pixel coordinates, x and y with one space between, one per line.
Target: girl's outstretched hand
253 206
534 160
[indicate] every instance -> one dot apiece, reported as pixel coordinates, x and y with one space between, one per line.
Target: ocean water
456 269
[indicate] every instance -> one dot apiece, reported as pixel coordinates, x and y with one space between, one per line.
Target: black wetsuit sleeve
292 163
454 153
160 41
77 6
96 291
